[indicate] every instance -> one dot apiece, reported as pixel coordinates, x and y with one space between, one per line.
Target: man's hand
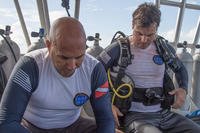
116 113
118 131
180 96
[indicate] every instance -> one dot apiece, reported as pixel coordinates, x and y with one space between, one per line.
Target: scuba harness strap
171 61
124 59
120 96
167 55
152 96
121 84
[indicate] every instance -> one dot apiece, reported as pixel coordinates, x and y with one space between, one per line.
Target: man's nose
144 38
71 64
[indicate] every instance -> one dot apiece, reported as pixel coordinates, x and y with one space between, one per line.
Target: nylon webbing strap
124 59
168 56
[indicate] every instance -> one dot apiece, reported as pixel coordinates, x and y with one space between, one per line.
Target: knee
147 128
141 127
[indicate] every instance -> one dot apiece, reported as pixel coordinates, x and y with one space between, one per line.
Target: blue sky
102 16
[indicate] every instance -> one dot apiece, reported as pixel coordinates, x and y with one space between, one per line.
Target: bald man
49 86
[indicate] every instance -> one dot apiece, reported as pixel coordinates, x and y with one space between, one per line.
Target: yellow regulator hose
118 88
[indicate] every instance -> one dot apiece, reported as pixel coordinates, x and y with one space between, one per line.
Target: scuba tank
10 49
187 61
3 79
196 77
9 54
195 114
40 43
96 49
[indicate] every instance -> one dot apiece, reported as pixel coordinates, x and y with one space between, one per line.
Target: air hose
115 91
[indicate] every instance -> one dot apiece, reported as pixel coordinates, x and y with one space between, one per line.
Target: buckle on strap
148 96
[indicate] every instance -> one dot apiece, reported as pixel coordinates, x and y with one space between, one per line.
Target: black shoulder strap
124 57
125 53
168 56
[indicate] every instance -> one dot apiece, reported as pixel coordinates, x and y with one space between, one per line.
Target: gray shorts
82 125
163 121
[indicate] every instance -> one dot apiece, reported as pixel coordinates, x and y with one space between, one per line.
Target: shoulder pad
125 52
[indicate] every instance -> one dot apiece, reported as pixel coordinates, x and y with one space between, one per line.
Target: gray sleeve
181 74
100 101
110 55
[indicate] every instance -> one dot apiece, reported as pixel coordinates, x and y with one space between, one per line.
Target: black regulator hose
115 36
9 44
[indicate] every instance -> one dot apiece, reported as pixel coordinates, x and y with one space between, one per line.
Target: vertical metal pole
196 38
21 18
46 15
41 13
77 9
157 3
179 22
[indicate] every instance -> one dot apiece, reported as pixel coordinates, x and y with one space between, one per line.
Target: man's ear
48 43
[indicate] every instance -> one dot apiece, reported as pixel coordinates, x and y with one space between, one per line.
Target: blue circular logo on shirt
80 99
157 59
